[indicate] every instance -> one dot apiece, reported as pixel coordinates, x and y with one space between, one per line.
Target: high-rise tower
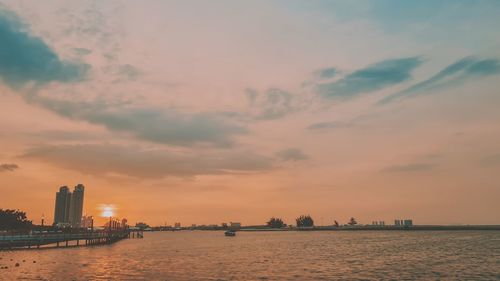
63 203
76 207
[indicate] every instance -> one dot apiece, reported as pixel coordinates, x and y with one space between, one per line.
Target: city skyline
201 112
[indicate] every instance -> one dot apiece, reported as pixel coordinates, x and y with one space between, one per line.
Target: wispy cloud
133 161
167 126
128 71
25 58
271 104
372 78
329 125
291 154
452 75
326 73
8 167
412 167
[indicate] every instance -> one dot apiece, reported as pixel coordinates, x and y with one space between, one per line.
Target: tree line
302 221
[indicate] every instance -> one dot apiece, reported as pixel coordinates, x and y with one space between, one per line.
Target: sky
203 112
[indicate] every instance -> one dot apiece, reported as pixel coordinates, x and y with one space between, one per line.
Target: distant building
76 208
62 207
406 222
235 224
87 222
177 225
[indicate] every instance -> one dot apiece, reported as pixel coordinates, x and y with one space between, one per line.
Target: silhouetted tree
14 219
142 225
304 221
352 221
336 223
275 223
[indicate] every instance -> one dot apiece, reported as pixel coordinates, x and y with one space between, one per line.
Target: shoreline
386 228
348 228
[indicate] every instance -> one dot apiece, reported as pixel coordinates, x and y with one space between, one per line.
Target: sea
283 255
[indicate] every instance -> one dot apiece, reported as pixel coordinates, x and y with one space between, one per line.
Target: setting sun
107 210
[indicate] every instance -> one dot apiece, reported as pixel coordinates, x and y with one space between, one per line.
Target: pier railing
37 239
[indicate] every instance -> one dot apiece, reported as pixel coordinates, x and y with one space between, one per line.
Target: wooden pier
60 239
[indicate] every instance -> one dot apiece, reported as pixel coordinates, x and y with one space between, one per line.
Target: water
209 255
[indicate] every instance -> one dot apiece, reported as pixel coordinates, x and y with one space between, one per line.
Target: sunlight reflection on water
209 255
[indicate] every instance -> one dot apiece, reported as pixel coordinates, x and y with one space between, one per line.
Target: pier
39 240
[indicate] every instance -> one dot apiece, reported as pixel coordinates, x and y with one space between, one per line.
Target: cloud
452 75
129 71
277 104
329 125
82 51
133 161
372 78
251 95
272 104
160 125
64 135
291 154
8 167
413 167
25 58
326 73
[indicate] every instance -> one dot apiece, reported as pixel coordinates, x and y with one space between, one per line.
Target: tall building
69 206
76 206
63 203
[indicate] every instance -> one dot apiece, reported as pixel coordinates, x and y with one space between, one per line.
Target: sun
107 210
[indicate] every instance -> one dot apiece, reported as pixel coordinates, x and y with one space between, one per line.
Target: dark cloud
291 154
452 75
133 161
413 167
25 58
8 167
372 78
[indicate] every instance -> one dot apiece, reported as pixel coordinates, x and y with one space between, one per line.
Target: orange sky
209 113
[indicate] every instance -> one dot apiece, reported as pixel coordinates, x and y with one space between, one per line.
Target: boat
230 233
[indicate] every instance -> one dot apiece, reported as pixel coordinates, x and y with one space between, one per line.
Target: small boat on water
230 233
